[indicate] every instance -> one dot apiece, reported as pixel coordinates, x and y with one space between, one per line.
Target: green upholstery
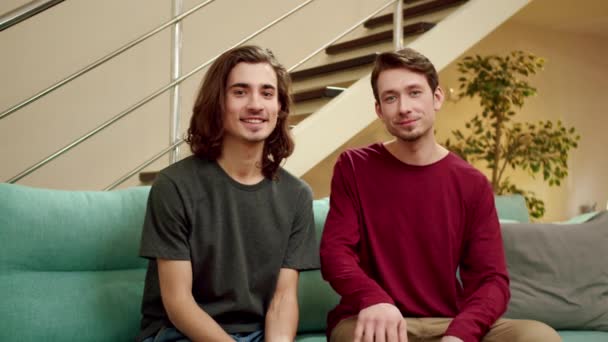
69 269
583 336
316 297
512 208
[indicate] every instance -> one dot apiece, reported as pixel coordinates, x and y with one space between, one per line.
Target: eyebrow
247 86
408 87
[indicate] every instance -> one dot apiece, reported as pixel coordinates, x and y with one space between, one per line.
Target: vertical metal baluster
176 66
398 26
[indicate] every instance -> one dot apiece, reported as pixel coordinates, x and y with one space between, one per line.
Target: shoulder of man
463 168
182 168
286 180
362 154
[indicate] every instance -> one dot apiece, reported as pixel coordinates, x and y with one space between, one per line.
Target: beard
409 136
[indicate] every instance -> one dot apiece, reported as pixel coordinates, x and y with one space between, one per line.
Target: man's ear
438 98
378 109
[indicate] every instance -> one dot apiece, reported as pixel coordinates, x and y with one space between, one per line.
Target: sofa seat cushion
316 298
311 338
71 306
583 336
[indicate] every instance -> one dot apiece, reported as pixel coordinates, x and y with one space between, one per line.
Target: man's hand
380 323
451 339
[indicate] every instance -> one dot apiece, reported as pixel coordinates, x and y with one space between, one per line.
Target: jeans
173 335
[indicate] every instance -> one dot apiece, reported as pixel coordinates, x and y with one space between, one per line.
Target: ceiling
579 16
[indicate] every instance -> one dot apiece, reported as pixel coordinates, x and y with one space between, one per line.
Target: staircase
333 99
352 58
449 29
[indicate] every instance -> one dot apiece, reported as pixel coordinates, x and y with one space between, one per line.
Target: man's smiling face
251 103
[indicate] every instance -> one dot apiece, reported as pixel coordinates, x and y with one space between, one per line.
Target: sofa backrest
316 297
69 269
512 208
55 230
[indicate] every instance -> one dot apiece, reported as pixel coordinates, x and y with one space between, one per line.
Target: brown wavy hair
408 59
206 131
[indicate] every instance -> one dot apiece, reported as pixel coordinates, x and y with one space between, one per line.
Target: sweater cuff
373 300
458 330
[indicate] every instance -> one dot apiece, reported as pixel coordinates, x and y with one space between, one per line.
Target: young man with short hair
227 229
407 215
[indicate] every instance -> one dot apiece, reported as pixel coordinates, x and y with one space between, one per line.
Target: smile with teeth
253 120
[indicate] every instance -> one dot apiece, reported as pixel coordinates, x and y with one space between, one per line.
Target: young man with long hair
407 215
227 229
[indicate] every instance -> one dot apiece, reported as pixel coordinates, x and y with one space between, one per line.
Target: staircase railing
26 11
304 60
172 85
145 100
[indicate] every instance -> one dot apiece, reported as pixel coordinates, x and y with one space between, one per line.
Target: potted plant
496 140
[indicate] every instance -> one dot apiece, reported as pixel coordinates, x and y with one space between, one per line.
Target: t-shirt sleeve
165 231
302 249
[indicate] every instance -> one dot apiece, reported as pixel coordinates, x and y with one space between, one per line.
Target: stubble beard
411 136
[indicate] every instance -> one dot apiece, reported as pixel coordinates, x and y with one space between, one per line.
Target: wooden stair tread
147 177
336 66
414 11
296 119
408 30
317 93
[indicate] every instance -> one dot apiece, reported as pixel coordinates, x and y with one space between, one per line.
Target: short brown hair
408 59
206 131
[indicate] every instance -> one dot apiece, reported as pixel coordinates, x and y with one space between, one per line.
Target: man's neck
420 152
242 162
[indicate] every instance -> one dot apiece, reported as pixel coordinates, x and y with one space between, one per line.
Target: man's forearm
195 323
282 319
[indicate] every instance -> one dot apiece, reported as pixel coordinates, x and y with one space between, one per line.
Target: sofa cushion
70 306
56 230
512 207
69 268
315 296
559 273
583 336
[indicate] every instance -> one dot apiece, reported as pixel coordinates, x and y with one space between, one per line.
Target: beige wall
571 89
64 39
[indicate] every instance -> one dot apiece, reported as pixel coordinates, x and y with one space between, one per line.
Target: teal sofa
69 269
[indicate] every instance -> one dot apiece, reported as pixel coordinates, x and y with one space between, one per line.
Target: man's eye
238 92
415 93
390 99
268 94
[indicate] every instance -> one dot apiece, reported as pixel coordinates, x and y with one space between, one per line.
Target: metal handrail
100 61
146 99
179 142
26 11
144 165
335 39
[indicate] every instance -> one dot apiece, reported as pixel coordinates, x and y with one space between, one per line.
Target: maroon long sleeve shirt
397 233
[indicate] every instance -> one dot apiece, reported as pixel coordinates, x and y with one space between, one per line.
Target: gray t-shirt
236 236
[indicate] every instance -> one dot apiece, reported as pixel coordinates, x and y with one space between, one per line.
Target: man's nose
255 102
404 106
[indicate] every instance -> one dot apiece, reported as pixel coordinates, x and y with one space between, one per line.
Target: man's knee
538 331
344 331
525 331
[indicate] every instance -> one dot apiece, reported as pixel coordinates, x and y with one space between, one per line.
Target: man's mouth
407 122
253 121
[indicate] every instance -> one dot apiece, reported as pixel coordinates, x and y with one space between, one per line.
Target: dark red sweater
397 233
